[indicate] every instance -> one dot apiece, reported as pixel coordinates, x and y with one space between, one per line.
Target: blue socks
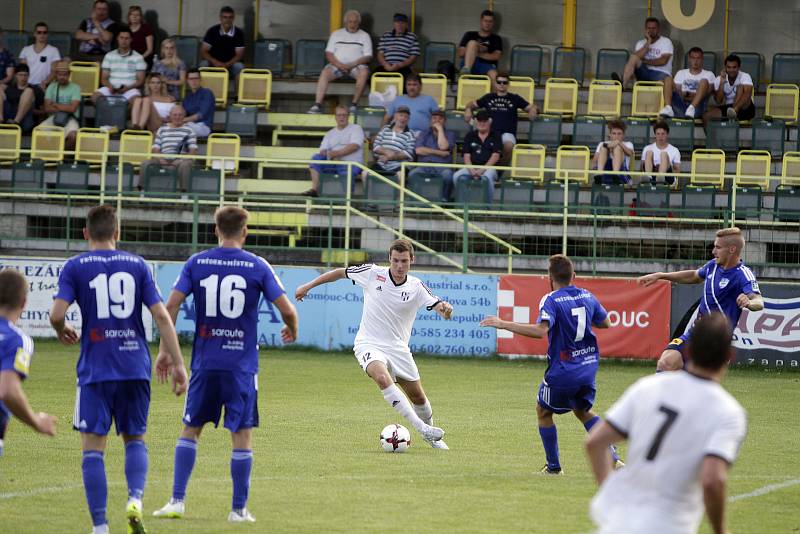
185 455
136 467
588 426
549 436
241 465
95 486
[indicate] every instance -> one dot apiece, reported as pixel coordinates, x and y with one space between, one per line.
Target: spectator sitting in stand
40 57
398 49
689 91
62 102
96 33
171 139
481 50
421 106
141 34
435 145
651 60
19 101
348 53
123 71
733 91
199 105
394 144
482 146
613 155
6 64
661 156
342 143
223 44
150 111
171 68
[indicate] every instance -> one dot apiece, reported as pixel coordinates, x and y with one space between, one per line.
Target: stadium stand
526 60
569 62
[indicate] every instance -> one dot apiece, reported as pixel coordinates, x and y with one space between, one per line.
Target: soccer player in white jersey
728 286
684 431
391 300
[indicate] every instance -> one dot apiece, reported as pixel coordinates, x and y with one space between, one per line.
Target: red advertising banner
639 315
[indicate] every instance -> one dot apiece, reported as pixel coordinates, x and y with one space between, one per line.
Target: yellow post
725 35
649 8
336 15
491 5
570 17
180 17
21 15
413 13
257 21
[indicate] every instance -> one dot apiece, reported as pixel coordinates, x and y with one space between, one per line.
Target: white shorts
400 364
163 108
129 95
353 73
508 138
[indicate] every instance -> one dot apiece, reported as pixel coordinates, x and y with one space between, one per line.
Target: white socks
397 400
425 412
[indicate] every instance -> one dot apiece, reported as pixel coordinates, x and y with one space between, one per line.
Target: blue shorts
565 399
680 343
481 66
679 106
126 401
616 178
643 74
209 391
327 169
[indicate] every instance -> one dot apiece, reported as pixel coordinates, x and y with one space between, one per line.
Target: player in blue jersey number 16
566 317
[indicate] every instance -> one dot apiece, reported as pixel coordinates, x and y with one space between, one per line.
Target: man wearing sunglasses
502 107
40 57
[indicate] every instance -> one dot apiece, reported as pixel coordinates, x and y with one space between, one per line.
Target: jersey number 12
229 293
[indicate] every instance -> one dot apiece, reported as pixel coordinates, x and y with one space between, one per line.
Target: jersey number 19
227 295
115 295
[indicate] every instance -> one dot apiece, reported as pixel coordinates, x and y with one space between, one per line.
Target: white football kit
389 313
672 422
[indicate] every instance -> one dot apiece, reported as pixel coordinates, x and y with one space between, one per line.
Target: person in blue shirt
227 284
199 104
110 287
728 287
566 317
420 106
16 351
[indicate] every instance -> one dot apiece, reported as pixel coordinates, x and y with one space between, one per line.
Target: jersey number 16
227 294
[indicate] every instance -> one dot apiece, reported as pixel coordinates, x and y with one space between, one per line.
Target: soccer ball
395 438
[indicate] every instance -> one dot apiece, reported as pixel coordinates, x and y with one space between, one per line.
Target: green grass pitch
318 465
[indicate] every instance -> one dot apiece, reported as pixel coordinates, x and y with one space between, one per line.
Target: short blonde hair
732 237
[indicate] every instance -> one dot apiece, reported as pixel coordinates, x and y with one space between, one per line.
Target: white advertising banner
776 327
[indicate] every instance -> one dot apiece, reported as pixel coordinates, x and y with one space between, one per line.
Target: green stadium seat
473 193
379 194
272 54
569 63
681 134
15 41
426 184
370 120
242 120
309 59
637 132
652 200
554 196
62 41
588 130
769 135
609 61
159 180
787 203
723 134
188 49
204 183
545 130
699 202
111 111
72 176
526 60
27 175
748 202
436 51
516 195
456 123
332 185
128 177
786 68
608 199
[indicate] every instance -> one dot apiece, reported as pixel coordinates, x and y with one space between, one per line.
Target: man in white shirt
661 156
614 155
391 300
40 57
684 431
686 95
342 143
348 53
733 91
651 60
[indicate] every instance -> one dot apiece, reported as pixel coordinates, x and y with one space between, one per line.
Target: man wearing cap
435 145
420 105
502 106
482 146
394 144
398 49
62 102
19 100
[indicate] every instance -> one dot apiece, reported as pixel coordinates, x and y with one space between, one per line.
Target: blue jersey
723 286
16 349
572 354
110 287
227 284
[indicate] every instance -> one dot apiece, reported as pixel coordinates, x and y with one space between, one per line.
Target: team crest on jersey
379 288
404 295
723 282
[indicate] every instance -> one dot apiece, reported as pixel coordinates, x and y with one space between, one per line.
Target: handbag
60 118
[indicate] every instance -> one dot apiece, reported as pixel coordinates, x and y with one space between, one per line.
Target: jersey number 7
580 313
228 294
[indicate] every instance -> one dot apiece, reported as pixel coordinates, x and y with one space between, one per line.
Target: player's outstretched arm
713 476
289 316
12 395
445 309
330 276
753 301
679 277
58 314
170 340
597 445
536 331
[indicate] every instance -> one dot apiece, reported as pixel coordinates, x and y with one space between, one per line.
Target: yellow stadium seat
435 85
790 174
223 145
381 81
782 100
255 87
648 99
561 96
216 79
135 146
752 168
47 143
91 145
525 157
286 223
572 162
523 86
471 87
10 141
86 74
605 98
708 162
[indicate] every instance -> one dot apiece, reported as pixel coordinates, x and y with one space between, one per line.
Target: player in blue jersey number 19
227 284
566 317
110 287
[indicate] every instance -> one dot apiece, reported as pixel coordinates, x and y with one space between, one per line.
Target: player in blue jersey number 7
566 317
110 287
728 286
16 350
227 284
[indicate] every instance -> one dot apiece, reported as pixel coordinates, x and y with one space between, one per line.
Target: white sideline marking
764 490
